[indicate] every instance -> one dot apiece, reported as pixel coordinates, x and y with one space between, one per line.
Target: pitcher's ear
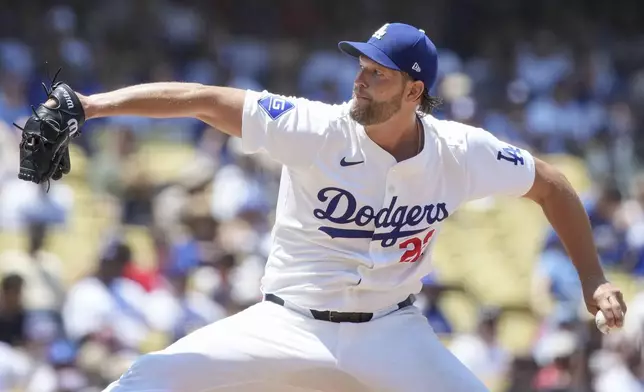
416 91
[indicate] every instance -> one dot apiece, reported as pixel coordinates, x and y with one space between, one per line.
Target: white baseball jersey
354 227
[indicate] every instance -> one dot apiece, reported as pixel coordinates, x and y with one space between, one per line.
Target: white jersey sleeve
291 130
496 168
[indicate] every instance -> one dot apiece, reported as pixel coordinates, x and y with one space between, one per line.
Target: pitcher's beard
373 112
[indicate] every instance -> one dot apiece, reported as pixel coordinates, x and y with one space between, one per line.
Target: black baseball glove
44 152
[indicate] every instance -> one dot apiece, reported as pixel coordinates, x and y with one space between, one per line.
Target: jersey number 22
415 248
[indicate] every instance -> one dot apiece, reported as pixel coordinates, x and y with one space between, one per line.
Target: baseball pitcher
365 188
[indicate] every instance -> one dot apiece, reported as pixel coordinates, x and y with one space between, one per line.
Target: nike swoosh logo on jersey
344 162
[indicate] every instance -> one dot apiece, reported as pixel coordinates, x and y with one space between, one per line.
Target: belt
340 317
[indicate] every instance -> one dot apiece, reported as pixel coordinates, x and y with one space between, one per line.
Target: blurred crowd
555 77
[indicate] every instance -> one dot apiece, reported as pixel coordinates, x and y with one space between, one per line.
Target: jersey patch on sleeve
511 154
275 106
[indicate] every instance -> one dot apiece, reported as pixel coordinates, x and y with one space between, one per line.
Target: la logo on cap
381 31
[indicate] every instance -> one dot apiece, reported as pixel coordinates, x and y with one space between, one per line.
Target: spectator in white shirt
105 305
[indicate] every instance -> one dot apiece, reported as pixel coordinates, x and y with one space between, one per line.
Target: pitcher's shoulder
274 106
453 135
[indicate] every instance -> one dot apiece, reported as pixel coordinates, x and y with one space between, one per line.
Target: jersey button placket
389 194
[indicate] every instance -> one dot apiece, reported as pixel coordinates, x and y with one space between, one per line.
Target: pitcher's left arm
567 215
494 167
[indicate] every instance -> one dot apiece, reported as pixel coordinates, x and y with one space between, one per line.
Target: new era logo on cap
400 47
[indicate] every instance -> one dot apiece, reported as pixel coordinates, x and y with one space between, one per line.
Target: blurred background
163 226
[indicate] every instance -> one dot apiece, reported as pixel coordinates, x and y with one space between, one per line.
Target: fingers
610 301
51 103
617 310
620 298
613 308
606 308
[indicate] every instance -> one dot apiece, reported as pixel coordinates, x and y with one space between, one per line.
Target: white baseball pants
269 348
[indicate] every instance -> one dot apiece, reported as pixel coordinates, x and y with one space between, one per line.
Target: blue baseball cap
400 47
